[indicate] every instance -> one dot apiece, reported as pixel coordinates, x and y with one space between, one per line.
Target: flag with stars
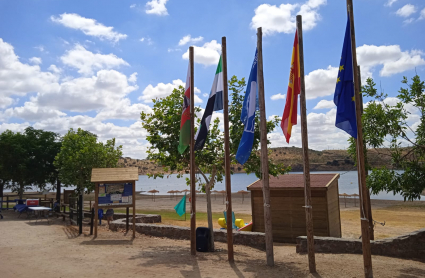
344 91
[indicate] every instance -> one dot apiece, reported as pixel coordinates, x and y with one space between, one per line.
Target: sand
39 249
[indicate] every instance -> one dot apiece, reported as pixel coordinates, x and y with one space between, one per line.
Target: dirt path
29 249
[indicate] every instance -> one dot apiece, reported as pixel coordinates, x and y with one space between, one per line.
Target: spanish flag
289 117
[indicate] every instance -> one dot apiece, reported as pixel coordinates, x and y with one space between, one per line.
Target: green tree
42 146
163 127
387 130
15 161
27 159
79 154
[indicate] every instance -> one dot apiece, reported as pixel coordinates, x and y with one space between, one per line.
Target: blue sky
97 64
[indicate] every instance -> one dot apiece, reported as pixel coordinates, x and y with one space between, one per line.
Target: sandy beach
41 249
38 249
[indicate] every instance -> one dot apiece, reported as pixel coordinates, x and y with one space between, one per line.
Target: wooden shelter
115 188
287 206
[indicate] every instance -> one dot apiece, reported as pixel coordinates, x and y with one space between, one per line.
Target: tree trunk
1 189
209 214
58 191
21 191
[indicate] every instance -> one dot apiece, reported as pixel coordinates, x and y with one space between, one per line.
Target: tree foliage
26 159
163 127
80 153
387 129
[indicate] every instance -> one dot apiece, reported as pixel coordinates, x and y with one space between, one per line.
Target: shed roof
296 181
114 174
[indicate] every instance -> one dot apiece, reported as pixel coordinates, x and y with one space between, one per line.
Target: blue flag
250 104
181 206
344 91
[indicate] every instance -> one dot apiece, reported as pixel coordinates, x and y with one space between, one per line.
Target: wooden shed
287 201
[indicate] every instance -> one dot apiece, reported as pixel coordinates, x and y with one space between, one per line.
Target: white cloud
162 90
54 69
320 82
148 40
207 55
278 96
82 94
408 21
104 92
325 104
88 26
133 77
123 110
32 112
390 3
406 11
422 16
87 62
156 7
132 6
5 102
18 78
274 19
391 57
35 60
188 39
322 133
15 127
131 137
40 48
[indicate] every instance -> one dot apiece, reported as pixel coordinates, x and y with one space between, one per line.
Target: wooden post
127 214
264 154
80 213
192 158
367 257
304 136
7 202
91 221
96 209
229 219
90 204
368 204
134 209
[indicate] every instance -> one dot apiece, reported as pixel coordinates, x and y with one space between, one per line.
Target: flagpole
192 158
264 154
185 206
367 257
304 136
229 219
368 207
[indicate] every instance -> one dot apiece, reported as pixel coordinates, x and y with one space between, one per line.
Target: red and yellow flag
289 117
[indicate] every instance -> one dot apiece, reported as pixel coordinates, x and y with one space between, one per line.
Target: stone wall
252 239
406 246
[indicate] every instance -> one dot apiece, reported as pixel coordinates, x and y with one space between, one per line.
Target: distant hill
326 160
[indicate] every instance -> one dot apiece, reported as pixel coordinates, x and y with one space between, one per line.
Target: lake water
347 183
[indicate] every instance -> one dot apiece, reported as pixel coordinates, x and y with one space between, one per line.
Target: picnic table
38 211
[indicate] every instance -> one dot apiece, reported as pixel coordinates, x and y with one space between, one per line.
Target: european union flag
344 91
250 104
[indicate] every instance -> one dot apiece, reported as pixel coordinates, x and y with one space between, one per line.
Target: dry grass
399 219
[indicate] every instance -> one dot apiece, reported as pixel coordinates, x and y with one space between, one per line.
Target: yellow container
222 222
239 223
